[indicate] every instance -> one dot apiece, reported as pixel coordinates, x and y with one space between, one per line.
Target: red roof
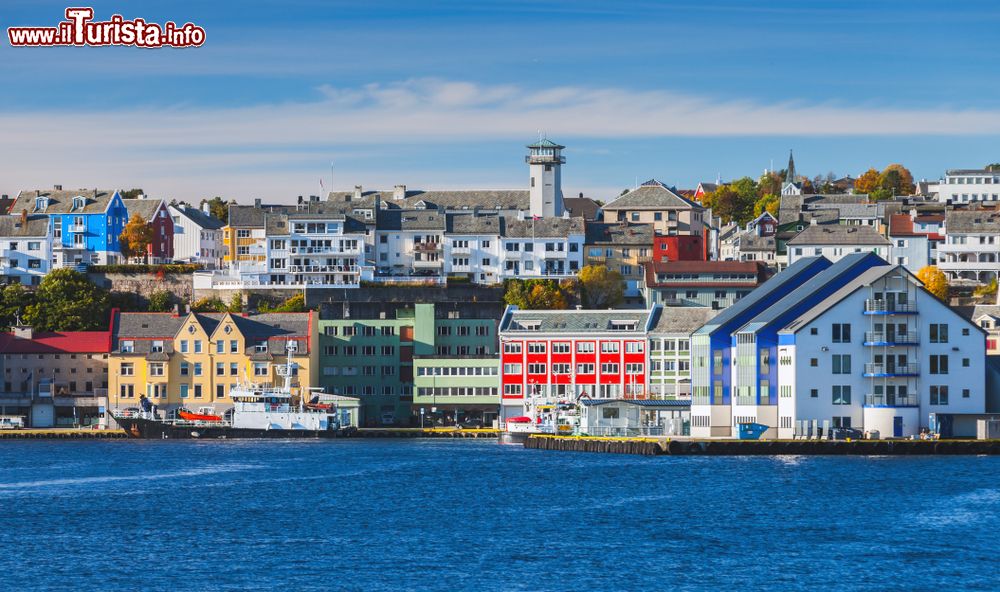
44 342
902 225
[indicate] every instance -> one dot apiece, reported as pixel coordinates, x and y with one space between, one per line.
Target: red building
562 355
679 248
156 214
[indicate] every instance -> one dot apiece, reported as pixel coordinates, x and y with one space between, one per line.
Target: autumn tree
897 180
67 301
209 304
535 294
934 281
217 207
135 238
601 287
769 203
867 182
769 184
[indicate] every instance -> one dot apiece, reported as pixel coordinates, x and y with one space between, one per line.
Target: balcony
554 254
461 250
884 370
323 269
879 338
885 307
77 228
427 264
346 250
427 247
968 248
877 400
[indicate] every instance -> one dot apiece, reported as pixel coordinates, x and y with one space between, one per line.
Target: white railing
322 269
409 279
873 305
877 400
879 337
897 369
324 250
78 228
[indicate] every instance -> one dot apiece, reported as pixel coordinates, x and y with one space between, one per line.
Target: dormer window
530 325
623 325
261 347
41 203
157 347
127 346
79 202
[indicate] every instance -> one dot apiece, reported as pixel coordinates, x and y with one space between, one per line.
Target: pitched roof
972 221
837 234
146 207
10 226
581 207
277 328
45 342
682 319
863 279
61 202
491 224
981 310
750 242
411 220
651 195
543 228
575 321
619 233
199 217
460 199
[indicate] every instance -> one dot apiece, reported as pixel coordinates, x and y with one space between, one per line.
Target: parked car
471 424
846 433
388 419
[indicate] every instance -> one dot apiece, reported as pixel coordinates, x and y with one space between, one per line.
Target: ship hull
140 428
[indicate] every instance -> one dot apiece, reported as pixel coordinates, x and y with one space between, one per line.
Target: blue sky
446 94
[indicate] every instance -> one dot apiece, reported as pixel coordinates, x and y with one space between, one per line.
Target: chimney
300 200
206 209
95 192
913 213
177 310
812 222
357 192
57 187
256 202
24 218
581 195
399 192
23 331
38 193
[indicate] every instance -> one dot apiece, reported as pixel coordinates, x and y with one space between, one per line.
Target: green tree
132 193
993 167
209 304
14 303
67 301
601 287
296 303
218 207
161 301
236 303
136 238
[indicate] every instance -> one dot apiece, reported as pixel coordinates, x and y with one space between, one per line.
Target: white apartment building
858 343
971 249
834 241
197 236
542 247
319 250
410 243
472 248
25 249
968 185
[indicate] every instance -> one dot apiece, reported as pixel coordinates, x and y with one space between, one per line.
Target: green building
371 350
448 389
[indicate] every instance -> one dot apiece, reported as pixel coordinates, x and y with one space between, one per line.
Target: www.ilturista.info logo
79 28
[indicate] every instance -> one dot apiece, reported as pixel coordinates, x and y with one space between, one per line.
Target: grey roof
651 195
970 172
491 224
972 221
146 207
461 199
411 220
582 207
750 242
862 280
543 228
682 319
203 220
277 328
843 270
61 202
992 310
708 187
619 233
849 210
791 206
839 235
574 321
783 282
10 226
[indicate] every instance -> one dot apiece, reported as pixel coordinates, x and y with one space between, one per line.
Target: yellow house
194 360
243 236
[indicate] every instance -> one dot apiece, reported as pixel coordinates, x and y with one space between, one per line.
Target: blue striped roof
766 294
639 402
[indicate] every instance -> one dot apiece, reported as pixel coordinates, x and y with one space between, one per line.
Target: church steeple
790 173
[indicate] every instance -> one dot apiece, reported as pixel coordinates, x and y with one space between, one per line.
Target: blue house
84 224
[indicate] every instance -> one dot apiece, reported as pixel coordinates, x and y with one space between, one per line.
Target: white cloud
191 151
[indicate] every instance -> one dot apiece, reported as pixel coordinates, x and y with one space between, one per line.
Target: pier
62 434
427 433
691 447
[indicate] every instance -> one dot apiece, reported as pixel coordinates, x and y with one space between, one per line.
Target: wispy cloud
177 144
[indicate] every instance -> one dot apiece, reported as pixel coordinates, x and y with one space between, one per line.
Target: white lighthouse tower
544 162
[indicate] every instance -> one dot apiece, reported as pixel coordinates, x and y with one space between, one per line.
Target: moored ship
259 411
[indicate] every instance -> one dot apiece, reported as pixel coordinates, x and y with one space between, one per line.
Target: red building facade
552 356
679 248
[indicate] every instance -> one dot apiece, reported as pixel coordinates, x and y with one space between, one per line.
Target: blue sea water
463 515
